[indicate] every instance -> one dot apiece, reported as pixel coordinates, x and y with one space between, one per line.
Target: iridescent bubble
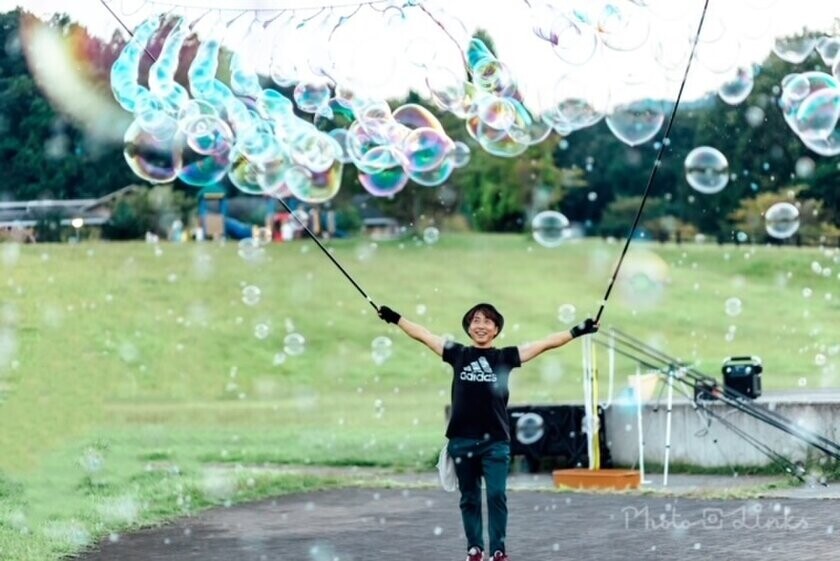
828 48
738 86
636 122
573 41
425 149
310 97
794 49
460 154
450 91
206 143
566 313
478 52
492 76
706 170
781 220
582 101
250 249
416 116
294 344
527 129
643 278
244 174
433 177
431 235
313 188
384 183
271 104
622 27
494 141
150 158
550 228
314 150
251 295
379 158
530 428
495 112
381 349
340 136
152 115
671 49
824 146
258 144
376 120
335 114
818 114
271 176
732 306
358 143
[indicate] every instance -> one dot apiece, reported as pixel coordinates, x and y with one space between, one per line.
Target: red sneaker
500 556
475 554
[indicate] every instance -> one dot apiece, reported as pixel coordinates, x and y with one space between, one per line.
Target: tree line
590 175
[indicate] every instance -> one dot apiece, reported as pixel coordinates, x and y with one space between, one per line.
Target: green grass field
129 374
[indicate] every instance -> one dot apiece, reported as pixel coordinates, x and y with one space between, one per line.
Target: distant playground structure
278 226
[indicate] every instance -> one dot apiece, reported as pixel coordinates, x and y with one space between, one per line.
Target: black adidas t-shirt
480 390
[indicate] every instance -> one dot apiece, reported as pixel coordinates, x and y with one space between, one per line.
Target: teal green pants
489 459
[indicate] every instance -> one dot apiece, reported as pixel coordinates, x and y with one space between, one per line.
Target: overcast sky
752 24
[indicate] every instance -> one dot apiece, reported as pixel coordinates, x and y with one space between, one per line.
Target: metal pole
639 429
587 401
668 427
611 359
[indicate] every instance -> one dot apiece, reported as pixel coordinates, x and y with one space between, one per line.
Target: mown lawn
130 372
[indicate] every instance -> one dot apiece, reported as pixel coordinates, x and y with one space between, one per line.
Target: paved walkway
396 524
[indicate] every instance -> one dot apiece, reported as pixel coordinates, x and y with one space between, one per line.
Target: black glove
389 315
588 326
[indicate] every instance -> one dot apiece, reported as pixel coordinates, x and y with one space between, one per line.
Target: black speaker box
743 374
553 433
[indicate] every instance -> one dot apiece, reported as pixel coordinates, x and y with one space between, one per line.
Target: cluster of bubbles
490 103
210 131
810 104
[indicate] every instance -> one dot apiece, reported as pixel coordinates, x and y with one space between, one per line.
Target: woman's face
482 329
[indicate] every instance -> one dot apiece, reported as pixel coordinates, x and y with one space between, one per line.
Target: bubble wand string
282 202
656 165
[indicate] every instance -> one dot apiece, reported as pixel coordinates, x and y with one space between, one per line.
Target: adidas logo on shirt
478 371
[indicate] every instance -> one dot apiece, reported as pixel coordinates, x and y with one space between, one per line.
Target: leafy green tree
43 154
148 210
815 222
